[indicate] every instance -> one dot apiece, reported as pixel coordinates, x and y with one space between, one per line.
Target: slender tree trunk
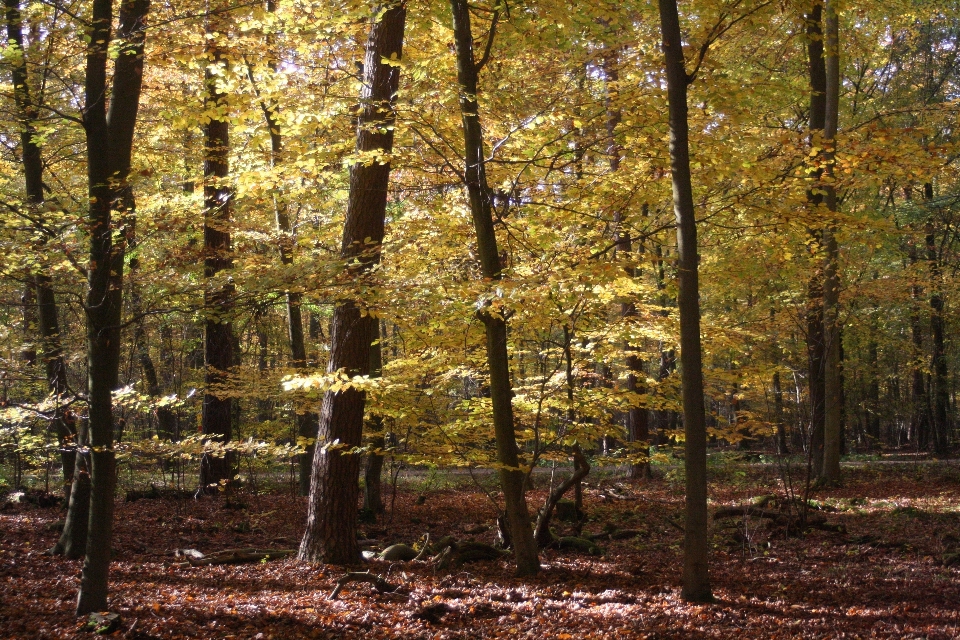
696 580
217 418
637 417
782 448
501 393
873 391
307 421
832 378
331 534
40 293
109 146
816 346
940 390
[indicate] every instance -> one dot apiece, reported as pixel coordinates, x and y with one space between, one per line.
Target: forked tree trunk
109 140
501 394
217 418
331 534
696 579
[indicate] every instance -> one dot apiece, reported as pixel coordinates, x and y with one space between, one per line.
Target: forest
486 318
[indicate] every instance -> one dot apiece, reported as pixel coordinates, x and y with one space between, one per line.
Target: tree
494 322
217 419
696 580
832 378
109 140
331 534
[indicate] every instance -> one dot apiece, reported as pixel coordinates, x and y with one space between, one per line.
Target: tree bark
696 580
331 534
832 378
940 390
816 345
217 418
109 140
501 392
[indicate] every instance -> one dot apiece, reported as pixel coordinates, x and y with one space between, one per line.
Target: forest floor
893 573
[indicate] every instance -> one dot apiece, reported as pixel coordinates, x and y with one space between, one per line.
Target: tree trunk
331 534
217 418
816 346
696 580
495 325
832 379
109 140
306 422
42 294
637 417
940 391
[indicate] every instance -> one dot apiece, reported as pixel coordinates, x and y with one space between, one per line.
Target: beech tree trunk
696 580
109 140
501 393
372 484
331 534
940 390
217 418
832 378
816 346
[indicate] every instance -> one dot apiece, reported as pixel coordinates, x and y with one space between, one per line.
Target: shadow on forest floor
889 575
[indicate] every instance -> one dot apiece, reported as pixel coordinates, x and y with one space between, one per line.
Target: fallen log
194 558
381 585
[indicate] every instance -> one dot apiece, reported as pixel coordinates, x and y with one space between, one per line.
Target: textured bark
696 580
217 418
832 378
815 338
501 392
331 534
109 140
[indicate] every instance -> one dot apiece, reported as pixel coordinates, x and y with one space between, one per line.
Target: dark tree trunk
109 140
920 412
42 297
873 392
73 539
217 419
696 580
832 377
940 391
331 534
816 346
501 393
